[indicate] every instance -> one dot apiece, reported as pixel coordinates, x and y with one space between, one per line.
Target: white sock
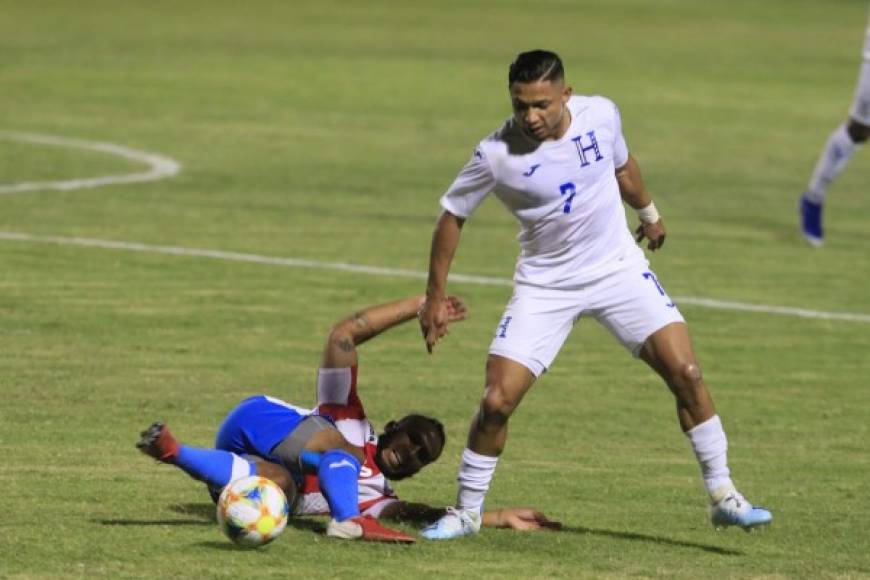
837 152
475 473
711 449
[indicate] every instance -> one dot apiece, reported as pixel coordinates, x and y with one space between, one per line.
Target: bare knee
690 373
329 439
280 476
686 378
497 404
276 473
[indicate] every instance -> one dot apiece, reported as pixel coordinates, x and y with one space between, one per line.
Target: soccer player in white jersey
294 446
839 148
561 166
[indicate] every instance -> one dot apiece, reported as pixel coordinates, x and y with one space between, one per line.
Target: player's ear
566 94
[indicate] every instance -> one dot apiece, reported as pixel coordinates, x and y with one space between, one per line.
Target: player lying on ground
296 447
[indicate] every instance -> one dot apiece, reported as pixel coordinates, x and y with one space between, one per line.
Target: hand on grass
521 519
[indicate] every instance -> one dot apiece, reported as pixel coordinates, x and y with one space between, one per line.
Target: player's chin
397 474
533 133
387 469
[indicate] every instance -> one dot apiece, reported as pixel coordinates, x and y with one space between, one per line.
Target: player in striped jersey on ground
302 449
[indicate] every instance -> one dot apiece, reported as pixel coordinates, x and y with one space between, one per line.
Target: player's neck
563 125
558 132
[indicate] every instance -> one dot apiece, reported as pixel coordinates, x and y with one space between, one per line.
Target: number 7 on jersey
569 190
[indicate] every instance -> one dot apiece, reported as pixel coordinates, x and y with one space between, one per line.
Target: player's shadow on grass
652 539
203 512
207 512
124 522
301 524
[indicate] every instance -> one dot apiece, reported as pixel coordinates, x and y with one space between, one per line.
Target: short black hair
431 430
536 65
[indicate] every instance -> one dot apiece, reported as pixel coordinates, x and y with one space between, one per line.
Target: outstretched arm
514 518
433 315
348 333
634 193
522 519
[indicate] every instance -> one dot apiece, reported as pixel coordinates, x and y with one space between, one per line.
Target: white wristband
649 214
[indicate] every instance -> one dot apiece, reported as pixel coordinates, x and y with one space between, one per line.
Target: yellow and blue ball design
252 511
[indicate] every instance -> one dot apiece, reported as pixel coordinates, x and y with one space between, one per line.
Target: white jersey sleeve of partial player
866 52
620 148
470 187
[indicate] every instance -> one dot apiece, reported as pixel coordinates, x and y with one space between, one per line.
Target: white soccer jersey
860 110
564 193
337 399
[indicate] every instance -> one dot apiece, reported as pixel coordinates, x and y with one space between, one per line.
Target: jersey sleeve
336 393
620 148
470 187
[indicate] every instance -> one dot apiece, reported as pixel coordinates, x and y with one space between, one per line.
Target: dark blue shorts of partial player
269 428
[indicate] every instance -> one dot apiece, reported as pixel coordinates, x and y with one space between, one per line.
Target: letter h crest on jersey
582 149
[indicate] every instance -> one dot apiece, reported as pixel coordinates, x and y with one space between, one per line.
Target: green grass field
326 131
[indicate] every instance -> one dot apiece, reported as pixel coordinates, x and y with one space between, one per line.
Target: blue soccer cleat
454 524
730 508
811 221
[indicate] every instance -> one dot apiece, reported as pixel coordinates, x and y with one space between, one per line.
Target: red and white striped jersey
337 398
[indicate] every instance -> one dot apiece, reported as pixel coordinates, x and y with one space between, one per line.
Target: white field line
159 166
400 273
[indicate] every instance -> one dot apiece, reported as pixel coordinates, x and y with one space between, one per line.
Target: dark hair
427 426
536 65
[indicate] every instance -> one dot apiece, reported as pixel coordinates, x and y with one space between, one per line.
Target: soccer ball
252 511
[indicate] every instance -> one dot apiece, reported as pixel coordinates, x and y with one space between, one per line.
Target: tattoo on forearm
360 322
364 328
345 344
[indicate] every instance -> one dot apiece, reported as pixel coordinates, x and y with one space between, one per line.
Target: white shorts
860 110
631 304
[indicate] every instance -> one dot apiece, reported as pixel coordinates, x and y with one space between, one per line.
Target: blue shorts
258 425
